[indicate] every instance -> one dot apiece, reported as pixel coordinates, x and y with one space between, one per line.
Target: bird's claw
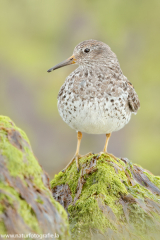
76 158
109 154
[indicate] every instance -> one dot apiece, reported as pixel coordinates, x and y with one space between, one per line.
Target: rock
109 199
26 203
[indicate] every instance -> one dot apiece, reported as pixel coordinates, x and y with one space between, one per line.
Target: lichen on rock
26 202
109 199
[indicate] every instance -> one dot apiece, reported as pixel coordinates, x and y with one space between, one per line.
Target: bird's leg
108 135
79 137
76 156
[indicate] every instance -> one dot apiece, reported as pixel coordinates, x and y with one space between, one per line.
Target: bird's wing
117 86
133 100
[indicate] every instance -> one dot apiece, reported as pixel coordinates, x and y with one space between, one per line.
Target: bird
96 98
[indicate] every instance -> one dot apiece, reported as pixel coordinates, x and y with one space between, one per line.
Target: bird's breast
93 103
93 115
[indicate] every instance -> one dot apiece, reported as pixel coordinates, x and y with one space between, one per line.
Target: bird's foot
76 158
109 154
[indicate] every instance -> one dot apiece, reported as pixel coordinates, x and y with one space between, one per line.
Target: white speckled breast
94 117
95 103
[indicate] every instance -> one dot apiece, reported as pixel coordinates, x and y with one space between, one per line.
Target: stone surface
26 202
109 199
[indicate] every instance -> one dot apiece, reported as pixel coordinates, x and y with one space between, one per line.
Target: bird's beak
66 62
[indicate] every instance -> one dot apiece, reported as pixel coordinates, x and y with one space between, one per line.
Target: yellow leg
108 135
76 156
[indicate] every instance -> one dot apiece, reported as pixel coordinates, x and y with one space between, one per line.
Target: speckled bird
96 98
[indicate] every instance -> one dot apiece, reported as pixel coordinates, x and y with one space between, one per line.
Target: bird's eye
86 50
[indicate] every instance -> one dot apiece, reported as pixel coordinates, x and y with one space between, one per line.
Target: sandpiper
96 98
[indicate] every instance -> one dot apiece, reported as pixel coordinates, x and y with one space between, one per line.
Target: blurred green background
36 35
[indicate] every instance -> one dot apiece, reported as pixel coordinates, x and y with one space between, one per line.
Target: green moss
154 179
39 200
69 177
2 228
12 197
17 162
20 162
29 216
140 192
89 216
6 122
109 183
140 219
86 213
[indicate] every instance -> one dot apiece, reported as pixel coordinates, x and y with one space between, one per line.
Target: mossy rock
26 202
109 199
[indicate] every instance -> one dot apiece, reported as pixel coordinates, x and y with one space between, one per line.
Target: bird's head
89 52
